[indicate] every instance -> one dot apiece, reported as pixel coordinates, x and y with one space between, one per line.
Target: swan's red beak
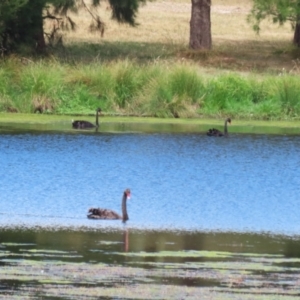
127 192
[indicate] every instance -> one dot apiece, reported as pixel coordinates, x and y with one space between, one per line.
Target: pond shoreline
190 125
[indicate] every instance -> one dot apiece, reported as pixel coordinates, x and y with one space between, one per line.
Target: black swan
216 132
107 214
80 124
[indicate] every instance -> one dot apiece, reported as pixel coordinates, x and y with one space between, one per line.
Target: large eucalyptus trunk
39 37
200 25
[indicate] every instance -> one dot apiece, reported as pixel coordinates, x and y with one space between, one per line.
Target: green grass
89 52
154 90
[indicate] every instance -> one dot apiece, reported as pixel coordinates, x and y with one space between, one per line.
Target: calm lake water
214 216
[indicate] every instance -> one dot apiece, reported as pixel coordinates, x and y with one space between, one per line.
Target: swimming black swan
107 214
80 124
216 132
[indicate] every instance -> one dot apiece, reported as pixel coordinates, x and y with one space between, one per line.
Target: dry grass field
163 34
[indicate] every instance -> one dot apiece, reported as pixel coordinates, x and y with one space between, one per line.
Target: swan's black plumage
216 132
107 214
81 124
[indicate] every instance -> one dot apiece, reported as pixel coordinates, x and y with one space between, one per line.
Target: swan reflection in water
107 214
217 132
126 240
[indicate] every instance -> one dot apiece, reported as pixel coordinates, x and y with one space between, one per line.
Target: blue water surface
178 181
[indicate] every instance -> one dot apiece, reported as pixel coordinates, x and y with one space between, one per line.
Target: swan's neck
124 208
225 128
97 118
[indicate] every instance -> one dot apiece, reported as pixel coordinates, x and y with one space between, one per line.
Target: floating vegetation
90 265
108 243
17 244
45 251
220 276
185 254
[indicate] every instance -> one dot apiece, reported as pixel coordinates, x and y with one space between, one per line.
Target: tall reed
287 94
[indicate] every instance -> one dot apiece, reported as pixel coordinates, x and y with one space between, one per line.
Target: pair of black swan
216 132
81 124
107 214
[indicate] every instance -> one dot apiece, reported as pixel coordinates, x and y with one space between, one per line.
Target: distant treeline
158 89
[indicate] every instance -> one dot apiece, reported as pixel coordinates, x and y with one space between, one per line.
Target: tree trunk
297 35
200 25
40 44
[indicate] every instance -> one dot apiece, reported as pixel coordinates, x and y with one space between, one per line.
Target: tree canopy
8 10
21 21
280 12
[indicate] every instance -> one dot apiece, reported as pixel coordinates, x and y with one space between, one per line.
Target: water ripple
178 181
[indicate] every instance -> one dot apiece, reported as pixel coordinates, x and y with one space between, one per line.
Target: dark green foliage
8 11
124 11
279 11
25 27
22 26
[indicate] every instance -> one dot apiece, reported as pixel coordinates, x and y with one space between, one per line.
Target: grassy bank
156 90
149 70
